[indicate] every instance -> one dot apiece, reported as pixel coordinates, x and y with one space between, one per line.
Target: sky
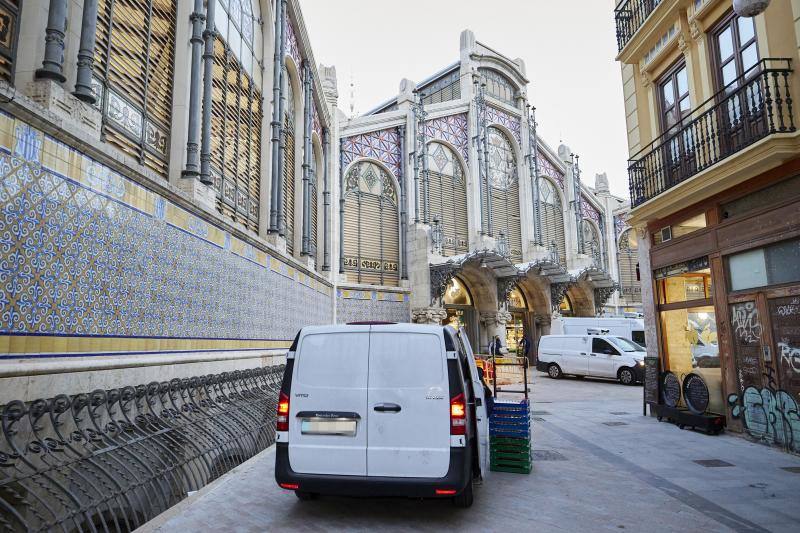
568 47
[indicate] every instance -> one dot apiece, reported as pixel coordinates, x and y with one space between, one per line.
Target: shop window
690 347
771 265
680 229
760 199
683 284
565 307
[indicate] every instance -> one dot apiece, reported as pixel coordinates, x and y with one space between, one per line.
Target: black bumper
456 479
542 366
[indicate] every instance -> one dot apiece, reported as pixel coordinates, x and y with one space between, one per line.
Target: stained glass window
371 226
447 191
552 218
498 86
505 192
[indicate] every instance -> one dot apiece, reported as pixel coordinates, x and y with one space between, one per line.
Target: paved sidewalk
599 466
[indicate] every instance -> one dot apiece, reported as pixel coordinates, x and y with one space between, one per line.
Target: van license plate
328 426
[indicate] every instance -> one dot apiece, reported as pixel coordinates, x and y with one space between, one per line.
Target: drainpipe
53 63
192 169
83 83
277 115
306 243
209 36
326 200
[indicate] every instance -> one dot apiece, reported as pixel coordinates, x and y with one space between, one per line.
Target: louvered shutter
134 59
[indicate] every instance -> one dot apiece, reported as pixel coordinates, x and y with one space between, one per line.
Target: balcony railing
750 108
629 16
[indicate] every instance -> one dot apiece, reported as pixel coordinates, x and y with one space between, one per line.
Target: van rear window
333 360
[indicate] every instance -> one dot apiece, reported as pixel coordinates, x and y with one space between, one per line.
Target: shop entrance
460 310
517 328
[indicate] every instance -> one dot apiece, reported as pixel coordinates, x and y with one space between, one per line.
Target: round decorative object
671 390
750 8
695 393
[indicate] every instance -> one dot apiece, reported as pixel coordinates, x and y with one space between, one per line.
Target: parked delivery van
629 328
381 410
604 356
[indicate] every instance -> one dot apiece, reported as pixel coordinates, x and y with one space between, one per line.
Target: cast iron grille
629 16
9 31
750 108
112 459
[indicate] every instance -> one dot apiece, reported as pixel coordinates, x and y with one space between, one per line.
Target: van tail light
289 486
445 492
458 415
283 413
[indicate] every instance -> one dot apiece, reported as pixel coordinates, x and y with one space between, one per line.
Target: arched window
236 112
552 218
457 293
498 86
505 192
516 300
289 164
565 307
591 242
371 226
628 259
448 198
134 66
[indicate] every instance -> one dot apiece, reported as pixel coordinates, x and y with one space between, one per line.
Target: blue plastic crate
508 432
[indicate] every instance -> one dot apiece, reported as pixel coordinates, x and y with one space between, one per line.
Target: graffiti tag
769 416
746 323
790 355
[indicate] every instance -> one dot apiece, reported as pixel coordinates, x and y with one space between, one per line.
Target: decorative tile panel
292 48
547 168
453 129
507 120
361 305
383 145
619 225
85 252
589 211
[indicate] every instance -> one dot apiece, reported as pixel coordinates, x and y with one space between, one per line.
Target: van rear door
328 403
481 419
409 407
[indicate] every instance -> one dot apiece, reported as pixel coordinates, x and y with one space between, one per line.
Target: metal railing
629 16
112 459
750 108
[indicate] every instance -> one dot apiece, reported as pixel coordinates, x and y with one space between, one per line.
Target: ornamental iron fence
754 106
629 17
111 460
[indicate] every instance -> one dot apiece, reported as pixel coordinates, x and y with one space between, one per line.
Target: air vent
666 234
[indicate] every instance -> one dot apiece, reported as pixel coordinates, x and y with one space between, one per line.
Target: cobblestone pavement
599 466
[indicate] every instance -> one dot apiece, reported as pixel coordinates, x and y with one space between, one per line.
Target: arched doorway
460 308
565 308
517 327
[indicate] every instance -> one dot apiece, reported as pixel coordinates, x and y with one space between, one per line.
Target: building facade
180 194
715 195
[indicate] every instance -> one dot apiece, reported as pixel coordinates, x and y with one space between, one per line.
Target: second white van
604 356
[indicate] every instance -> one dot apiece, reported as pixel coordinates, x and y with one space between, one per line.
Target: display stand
510 423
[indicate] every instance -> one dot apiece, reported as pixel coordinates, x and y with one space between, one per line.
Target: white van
375 409
628 328
603 356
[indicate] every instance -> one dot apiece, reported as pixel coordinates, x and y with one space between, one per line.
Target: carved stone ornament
428 315
646 81
750 8
557 292
601 296
496 318
695 30
441 276
682 44
504 288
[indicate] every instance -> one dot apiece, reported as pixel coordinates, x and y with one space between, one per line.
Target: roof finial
352 97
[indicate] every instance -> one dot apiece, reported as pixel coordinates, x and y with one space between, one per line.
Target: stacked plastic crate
510 437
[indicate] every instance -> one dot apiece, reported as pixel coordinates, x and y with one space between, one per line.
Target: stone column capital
496 318
428 315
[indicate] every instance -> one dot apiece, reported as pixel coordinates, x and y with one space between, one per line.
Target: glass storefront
515 329
689 328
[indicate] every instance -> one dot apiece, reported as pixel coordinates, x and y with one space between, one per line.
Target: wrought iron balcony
754 106
629 16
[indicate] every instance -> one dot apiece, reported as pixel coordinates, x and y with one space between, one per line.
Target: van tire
625 376
304 496
465 498
554 371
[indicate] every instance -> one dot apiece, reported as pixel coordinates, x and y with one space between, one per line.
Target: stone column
341 206
83 83
277 114
192 169
209 36
495 322
428 315
53 63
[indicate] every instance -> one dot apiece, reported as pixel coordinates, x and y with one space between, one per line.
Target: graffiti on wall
768 415
746 324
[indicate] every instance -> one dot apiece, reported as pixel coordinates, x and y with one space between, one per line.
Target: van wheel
625 376
304 496
554 371
464 500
